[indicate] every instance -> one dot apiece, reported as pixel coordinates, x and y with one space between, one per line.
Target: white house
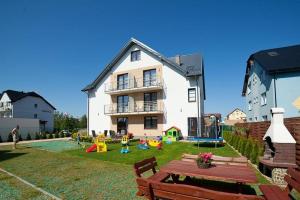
29 105
141 91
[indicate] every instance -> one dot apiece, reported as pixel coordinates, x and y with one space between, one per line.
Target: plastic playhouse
99 145
172 134
125 144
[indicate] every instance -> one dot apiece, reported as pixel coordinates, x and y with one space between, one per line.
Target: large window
122 104
150 122
135 55
263 99
264 118
150 101
35 116
122 81
192 94
149 78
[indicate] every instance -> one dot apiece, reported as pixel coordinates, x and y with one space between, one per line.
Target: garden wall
257 130
31 126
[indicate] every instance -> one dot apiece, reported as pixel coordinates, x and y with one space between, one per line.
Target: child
78 138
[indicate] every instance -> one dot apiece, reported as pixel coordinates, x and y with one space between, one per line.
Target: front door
122 124
192 126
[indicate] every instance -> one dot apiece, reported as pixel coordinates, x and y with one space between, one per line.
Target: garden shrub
260 152
1 139
50 136
47 136
20 138
37 136
254 152
243 147
28 136
61 135
249 148
56 135
43 136
9 138
74 135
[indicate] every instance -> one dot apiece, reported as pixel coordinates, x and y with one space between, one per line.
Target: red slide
91 148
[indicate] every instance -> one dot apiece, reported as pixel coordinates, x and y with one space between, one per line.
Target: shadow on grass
208 144
9 154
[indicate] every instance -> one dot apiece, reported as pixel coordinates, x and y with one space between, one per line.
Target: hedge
248 147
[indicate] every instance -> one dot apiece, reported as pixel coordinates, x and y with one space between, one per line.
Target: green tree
83 122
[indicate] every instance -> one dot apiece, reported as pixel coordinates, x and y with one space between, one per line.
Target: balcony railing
134 108
134 84
5 108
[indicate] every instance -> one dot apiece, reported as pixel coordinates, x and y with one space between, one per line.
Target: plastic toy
143 144
99 145
172 133
154 143
125 144
169 140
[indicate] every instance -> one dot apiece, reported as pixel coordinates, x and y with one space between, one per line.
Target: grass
169 152
75 174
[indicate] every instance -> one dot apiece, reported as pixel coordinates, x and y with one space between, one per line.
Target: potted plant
204 160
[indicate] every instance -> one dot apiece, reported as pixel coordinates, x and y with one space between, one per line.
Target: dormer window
35 105
135 55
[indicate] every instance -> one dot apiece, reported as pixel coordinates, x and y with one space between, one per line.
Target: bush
249 148
28 136
56 135
43 136
37 136
9 137
47 136
20 138
243 146
61 135
74 136
1 139
50 136
254 153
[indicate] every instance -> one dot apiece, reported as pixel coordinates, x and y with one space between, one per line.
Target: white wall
176 103
4 98
98 121
24 108
26 126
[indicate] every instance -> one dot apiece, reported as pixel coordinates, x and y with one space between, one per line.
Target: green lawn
74 174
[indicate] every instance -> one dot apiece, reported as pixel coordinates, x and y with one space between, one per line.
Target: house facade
141 91
237 114
29 105
272 79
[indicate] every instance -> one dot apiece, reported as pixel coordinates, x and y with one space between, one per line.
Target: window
35 116
250 119
35 105
264 118
255 119
122 104
149 77
150 101
135 55
150 122
263 99
249 105
122 81
192 94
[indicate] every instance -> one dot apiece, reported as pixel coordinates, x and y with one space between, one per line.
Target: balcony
134 85
137 108
5 108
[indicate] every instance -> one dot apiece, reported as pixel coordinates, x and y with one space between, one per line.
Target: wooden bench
273 192
238 161
187 192
143 183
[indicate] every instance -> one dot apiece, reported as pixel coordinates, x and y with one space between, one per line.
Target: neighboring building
30 105
236 116
272 79
140 91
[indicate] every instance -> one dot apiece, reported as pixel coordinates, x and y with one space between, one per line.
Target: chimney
177 59
277 130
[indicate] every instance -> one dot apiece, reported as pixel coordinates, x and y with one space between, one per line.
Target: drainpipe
198 106
87 115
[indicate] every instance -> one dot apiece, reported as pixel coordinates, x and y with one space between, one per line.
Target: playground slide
91 148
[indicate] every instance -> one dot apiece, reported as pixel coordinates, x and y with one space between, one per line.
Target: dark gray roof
16 95
191 64
274 61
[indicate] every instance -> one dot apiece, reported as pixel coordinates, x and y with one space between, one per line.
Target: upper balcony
4 107
134 85
138 108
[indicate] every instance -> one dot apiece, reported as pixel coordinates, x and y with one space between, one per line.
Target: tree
83 122
63 121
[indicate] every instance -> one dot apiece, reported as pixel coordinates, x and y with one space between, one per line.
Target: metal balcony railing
134 83
137 107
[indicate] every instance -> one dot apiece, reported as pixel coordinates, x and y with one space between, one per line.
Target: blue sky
57 47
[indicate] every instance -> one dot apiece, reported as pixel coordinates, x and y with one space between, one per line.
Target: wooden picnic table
231 173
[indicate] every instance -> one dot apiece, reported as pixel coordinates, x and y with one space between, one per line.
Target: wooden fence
257 130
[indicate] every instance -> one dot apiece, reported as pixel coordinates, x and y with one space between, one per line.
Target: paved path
30 141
